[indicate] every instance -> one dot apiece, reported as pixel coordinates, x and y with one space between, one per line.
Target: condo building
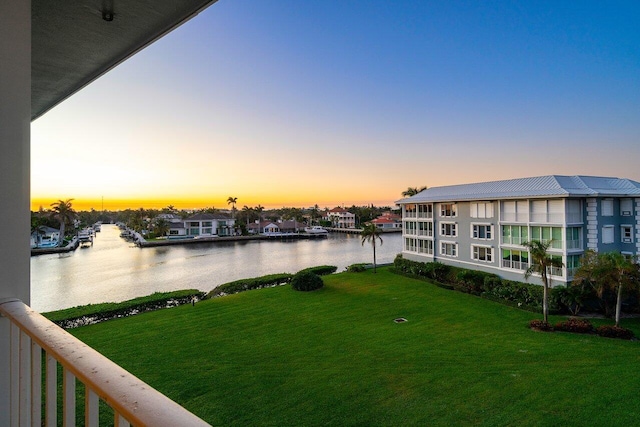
483 226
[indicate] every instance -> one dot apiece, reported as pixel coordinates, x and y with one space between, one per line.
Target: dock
359 230
72 246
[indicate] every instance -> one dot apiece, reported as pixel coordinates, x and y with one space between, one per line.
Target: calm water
114 270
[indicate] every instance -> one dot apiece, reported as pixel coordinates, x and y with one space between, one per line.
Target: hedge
252 283
487 285
94 313
321 270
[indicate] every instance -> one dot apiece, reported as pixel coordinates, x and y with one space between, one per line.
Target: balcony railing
574 244
133 401
556 271
516 265
425 215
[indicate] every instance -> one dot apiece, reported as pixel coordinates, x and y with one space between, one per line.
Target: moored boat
315 229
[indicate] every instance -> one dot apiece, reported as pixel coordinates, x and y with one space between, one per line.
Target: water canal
114 270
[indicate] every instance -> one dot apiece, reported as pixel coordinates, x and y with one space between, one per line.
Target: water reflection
115 270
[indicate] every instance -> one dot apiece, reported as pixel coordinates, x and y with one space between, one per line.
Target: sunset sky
296 103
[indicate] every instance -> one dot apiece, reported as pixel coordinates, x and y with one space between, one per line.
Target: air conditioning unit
626 213
626 240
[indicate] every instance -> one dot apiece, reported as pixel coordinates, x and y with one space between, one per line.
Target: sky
296 103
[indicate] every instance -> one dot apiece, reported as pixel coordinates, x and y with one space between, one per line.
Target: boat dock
359 230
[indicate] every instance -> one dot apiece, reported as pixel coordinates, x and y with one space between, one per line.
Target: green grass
335 357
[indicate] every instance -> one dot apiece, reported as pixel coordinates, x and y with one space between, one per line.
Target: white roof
535 187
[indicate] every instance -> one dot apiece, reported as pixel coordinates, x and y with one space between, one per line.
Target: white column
15 122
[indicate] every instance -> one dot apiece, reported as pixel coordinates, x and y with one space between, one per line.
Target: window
425 211
607 234
573 262
448 229
482 253
627 233
449 249
447 209
574 237
425 246
410 245
482 210
607 207
410 211
545 234
514 234
626 207
518 260
425 229
482 231
515 210
574 211
410 227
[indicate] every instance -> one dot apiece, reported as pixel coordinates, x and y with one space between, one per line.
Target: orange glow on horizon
87 204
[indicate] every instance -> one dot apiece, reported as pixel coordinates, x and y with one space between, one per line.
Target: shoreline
188 241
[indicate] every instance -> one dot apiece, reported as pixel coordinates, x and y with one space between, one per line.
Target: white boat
85 235
315 229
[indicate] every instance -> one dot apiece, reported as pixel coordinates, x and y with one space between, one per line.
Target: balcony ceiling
76 41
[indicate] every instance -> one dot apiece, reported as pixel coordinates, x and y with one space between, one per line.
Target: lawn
336 357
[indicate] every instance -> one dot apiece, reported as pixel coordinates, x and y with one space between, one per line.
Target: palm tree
371 233
37 226
315 213
63 212
247 211
541 263
259 210
161 227
608 271
232 201
170 209
412 191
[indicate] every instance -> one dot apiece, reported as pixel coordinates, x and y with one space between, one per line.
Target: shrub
431 270
321 270
579 326
521 294
570 299
540 325
356 268
248 284
471 281
612 331
306 281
